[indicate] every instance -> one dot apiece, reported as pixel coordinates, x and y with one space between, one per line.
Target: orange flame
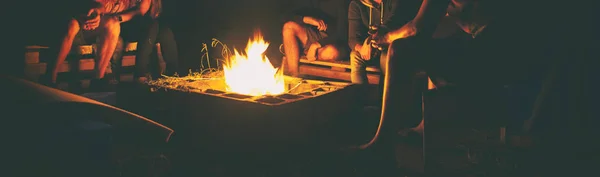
253 74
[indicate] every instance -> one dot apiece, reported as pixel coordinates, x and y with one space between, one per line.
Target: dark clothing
313 35
152 32
471 15
496 56
331 12
358 19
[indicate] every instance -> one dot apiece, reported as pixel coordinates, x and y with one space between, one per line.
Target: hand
311 54
365 50
381 39
320 24
409 29
93 20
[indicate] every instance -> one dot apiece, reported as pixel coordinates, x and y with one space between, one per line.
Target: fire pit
208 112
252 104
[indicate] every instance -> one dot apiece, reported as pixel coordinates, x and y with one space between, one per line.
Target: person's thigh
440 58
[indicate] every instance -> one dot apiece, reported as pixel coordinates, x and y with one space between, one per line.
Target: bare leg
110 29
399 107
292 32
65 47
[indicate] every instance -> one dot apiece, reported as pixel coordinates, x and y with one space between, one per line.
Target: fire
252 73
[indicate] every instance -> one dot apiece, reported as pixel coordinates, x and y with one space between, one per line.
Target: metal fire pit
206 112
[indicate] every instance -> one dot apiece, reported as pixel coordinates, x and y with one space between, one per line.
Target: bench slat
339 64
328 73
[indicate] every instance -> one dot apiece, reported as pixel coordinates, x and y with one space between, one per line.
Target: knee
73 28
290 27
401 45
112 26
329 53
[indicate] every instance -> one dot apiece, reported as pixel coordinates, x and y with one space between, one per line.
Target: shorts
90 37
313 35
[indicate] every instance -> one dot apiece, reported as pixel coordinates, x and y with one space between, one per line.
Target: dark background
568 31
194 22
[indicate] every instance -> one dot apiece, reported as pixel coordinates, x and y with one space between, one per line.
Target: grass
206 72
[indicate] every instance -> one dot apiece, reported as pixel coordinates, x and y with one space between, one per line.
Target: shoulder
355 4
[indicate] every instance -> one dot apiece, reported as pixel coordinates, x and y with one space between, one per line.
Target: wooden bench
36 66
335 70
341 70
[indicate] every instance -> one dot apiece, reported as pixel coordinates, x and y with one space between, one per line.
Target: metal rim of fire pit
321 88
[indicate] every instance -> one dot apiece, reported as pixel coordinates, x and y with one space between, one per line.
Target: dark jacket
395 15
330 11
471 15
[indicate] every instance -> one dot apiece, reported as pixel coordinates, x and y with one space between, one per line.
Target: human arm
141 9
87 14
306 16
424 24
358 38
357 31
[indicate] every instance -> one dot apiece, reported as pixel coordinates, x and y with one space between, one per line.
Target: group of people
449 39
99 22
453 41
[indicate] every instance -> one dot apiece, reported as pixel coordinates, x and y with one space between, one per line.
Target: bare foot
418 129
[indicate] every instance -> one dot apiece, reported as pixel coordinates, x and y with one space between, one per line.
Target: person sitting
478 54
153 29
96 23
318 28
364 16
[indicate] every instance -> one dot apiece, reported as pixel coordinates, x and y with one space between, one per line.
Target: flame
253 74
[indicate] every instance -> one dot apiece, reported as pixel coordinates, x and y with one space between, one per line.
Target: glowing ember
253 74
